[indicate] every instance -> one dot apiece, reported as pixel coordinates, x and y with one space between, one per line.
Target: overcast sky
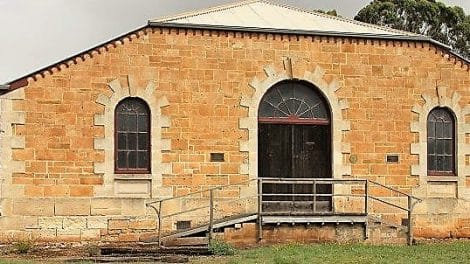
37 33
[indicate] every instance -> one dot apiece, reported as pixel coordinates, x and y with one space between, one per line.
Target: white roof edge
292 31
202 11
344 19
169 19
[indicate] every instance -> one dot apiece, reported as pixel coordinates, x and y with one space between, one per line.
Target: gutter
449 49
414 37
4 87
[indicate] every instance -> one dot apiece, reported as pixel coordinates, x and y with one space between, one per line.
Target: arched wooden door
294 141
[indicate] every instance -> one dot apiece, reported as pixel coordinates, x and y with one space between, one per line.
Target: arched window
132 136
441 142
293 102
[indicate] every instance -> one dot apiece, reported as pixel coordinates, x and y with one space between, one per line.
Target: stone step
380 232
153 250
131 259
187 241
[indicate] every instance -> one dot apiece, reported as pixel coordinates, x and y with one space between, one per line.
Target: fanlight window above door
293 102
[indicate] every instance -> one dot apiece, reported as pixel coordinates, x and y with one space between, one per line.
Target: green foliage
444 252
17 261
332 12
449 25
23 247
220 248
92 250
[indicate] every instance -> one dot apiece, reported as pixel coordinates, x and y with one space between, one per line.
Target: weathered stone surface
97 222
44 235
33 207
134 207
74 223
106 206
68 235
442 190
50 222
118 224
143 224
90 234
19 222
248 233
72 207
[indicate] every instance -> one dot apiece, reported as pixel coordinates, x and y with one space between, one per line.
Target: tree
329 12
449 25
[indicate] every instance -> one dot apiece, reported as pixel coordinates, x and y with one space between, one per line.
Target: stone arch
316 78
106 144
440 99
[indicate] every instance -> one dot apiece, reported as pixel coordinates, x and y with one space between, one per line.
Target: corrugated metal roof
263 14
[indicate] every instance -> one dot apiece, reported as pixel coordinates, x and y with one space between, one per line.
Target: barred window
441 142
132 136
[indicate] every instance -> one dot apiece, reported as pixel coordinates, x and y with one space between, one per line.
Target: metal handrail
394 190
388 203
310 180
412 200
410 205
202 191
211 206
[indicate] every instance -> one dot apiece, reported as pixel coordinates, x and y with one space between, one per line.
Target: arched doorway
294 142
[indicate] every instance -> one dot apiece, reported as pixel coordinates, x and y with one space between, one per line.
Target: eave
416 38
23 81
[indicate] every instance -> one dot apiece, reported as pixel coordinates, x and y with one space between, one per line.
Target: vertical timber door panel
275 158
312 159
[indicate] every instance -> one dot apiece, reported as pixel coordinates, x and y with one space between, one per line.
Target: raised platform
313 219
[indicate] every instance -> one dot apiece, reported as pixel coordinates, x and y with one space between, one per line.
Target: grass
27 261
446 252
456 252
17 261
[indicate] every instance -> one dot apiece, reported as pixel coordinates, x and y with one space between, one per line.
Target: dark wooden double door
295 151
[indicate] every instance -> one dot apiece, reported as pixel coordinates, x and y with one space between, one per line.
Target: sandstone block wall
57 133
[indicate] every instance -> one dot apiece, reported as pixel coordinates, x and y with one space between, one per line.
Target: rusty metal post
211 213
315 196
260 209
410 222
366 198
160 223
366 209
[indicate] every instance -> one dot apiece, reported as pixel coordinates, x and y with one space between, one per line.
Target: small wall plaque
217 157
353 159
392 158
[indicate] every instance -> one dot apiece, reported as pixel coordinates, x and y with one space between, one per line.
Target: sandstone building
324 110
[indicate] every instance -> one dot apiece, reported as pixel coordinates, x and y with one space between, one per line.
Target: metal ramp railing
221 206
